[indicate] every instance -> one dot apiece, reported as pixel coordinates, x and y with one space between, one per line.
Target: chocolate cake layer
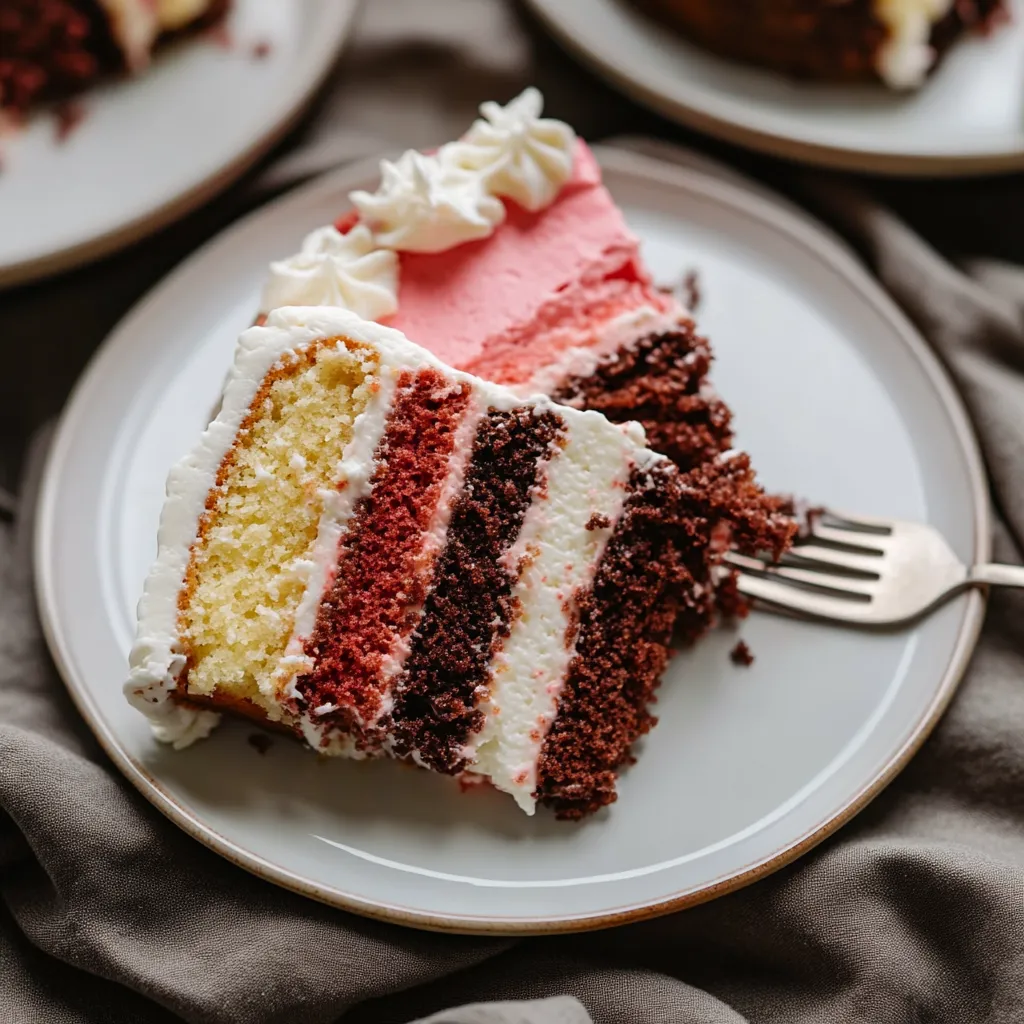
467 612
818 39
661 381
379 575
653 584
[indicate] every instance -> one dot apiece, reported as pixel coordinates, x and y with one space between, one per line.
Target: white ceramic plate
836 398
153 147
969 118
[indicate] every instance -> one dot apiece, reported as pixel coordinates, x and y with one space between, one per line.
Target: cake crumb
261 50
598 522
691 290
260 742
70 114
741 655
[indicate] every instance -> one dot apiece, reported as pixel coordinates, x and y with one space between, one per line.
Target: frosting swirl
427 204
333 269
517 153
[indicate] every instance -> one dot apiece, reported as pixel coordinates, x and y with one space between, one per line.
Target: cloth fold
913 912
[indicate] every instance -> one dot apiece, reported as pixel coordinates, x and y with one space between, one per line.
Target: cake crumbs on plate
691 290
741 654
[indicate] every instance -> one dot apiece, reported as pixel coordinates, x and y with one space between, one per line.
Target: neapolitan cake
391 558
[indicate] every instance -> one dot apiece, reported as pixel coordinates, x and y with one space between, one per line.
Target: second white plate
153 147
968 119
836 398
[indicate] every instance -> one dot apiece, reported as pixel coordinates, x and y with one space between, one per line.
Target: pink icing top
507 305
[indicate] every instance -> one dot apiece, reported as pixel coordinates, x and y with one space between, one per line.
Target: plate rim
337 18
801 228
870 161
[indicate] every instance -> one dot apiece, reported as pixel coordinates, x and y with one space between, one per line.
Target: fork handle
998 575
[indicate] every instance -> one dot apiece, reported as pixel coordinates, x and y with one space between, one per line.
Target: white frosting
517 153
333 269
136 24
425 204
587 477
907 55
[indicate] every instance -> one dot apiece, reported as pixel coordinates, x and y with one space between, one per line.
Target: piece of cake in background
391 558
504 255
897 42
50 49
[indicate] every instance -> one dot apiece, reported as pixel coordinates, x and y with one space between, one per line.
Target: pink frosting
505 306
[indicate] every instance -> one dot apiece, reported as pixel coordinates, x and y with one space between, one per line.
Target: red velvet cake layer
379 574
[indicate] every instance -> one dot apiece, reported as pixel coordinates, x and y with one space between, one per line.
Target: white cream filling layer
582 360
906 57
559 558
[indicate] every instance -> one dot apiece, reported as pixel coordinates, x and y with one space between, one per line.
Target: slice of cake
505 255
388 557
51 48
898 42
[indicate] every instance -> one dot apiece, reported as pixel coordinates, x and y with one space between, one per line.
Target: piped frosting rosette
429 203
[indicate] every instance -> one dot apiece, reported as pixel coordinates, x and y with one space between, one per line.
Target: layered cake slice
504 254
387 557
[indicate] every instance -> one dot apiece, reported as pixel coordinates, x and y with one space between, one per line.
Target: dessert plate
837 399
968 119
151 148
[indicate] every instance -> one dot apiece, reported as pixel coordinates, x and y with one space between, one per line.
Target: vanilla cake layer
392 558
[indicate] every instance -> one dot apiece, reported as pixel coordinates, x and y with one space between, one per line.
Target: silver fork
870 572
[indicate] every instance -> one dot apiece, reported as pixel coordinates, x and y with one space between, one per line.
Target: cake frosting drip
428 204
907 55
333 269
517 153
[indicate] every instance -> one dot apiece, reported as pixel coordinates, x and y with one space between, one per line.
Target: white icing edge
905 58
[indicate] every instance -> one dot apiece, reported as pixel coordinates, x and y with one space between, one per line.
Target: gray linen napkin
913 913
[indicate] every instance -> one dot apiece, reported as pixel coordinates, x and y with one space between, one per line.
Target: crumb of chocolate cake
741 655
729 602
804 514
691 290
469 608
661 382
69 115
598 522
260 742
261 50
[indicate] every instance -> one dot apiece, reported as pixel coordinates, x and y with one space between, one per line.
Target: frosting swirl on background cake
907 55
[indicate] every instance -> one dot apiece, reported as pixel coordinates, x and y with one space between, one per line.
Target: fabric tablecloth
912 913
